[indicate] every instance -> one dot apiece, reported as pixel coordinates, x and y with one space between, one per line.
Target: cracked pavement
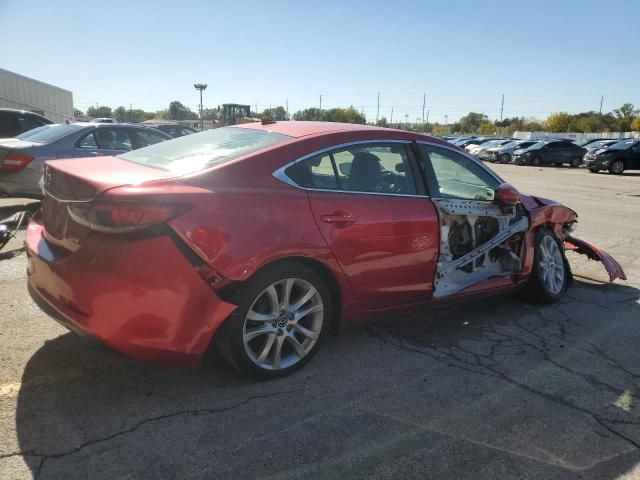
495 388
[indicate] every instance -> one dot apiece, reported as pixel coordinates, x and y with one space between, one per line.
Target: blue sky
544 56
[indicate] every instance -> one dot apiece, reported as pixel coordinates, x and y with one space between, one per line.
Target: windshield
49 133
490 143
197 152
511 144
623 145
536 146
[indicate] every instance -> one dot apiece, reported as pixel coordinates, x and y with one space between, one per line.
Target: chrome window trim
280 175
464 154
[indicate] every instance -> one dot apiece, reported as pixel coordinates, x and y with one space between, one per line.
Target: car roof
299 129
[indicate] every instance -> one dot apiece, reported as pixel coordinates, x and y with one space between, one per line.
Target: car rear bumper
23 183
139 296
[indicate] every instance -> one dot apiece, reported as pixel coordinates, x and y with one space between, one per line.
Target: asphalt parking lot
496 388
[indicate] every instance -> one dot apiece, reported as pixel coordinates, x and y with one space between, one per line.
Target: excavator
234 113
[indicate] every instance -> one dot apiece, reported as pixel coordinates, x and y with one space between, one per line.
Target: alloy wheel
551 265
283 324
617 167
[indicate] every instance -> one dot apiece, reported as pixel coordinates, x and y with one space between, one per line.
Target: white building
23 93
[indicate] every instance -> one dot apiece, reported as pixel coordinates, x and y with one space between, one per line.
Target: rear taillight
15 161
122 217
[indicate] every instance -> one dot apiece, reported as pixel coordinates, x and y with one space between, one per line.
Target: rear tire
283 314
536 161
575 162
550 274
616 167
594 170
505 158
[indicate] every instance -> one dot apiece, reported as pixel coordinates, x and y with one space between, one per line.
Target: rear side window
375 168
197 152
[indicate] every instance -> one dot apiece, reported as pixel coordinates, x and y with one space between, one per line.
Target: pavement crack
136 426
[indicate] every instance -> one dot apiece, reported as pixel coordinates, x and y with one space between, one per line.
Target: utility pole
501 110
424 103
320 111
362 110
391 122
286 102
427 125
200 87
446 123
601 100
378 110
406 118
256 108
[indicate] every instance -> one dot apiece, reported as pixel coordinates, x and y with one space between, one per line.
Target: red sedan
262 237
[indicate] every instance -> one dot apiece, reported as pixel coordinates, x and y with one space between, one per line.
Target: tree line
623 119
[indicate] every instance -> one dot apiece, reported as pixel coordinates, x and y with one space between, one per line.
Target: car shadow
75 397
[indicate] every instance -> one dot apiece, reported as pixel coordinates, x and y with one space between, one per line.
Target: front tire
282 318
550 274
575 162
616 167
536 161
594 170
505 158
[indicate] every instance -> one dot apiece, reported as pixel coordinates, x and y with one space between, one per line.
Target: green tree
98 112
558 122
635 125
120 114
177 111
487 128
624 115
343 115
307 114
210 114
471 122
276 113
382 122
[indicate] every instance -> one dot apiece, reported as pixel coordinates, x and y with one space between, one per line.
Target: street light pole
200 87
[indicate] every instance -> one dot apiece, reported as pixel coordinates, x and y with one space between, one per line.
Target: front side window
376 168
452 175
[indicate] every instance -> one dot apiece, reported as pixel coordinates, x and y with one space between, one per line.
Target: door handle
338 219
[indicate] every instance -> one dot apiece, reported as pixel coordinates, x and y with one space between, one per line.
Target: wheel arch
231 291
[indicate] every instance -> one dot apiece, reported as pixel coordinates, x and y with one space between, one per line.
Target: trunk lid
80 181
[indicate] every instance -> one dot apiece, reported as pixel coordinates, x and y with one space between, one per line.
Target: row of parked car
612 155
27 140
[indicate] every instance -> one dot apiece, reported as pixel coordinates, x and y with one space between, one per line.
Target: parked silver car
22 158
504 153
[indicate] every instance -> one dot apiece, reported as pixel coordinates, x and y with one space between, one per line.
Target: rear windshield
49 133
197 152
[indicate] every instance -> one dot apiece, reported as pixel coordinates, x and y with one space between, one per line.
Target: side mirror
507 193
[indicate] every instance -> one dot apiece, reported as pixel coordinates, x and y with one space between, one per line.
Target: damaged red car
261 238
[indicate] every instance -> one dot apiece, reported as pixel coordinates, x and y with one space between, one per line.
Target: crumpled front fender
610 264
